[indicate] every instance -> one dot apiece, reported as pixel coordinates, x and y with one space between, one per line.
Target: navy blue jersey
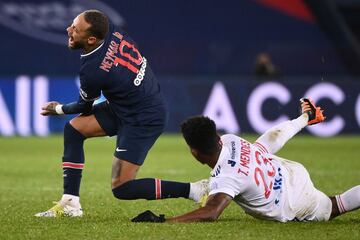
118 70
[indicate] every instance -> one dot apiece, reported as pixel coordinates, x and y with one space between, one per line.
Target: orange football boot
315 113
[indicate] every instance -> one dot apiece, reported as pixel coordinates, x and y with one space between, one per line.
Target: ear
194 152
91 40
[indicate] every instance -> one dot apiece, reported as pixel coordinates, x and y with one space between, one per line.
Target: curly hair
99 23
200 133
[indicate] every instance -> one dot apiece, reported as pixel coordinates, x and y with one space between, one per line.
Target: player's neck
90 48
213 159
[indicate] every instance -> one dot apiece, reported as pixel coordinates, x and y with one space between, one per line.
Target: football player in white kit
264 185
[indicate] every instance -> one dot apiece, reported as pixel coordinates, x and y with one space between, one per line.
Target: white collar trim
87 54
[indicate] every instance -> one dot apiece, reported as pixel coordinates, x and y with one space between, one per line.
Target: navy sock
151 189
73 159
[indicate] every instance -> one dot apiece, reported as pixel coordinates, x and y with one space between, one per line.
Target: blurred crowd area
244 63
266 38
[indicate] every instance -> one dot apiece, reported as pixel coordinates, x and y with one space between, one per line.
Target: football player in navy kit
135 111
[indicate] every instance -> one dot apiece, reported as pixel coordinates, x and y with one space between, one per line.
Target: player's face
78 36
196 155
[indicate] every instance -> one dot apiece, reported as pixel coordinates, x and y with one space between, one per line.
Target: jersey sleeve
90 87
80 106
225 184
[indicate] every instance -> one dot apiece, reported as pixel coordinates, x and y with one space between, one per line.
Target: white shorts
305 202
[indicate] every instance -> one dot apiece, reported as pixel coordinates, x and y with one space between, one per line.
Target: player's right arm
90 90
215 205
55 108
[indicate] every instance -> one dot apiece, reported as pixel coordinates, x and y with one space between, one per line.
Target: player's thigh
88 126
324 207
308 203
132 147
134 142
101 122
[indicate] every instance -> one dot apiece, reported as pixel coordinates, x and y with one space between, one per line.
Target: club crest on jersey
232 163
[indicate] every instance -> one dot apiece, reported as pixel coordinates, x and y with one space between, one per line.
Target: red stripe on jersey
157 188
73 165
261 147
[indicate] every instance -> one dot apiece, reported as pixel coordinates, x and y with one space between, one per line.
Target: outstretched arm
215 205
55 108
90 90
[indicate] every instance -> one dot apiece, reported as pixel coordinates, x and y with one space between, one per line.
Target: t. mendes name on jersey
125 54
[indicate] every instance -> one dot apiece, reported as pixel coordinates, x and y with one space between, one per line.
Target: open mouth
71 40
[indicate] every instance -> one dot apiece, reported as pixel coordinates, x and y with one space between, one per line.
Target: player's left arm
215 205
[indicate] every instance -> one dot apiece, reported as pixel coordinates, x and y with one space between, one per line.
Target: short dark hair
99 23
200 133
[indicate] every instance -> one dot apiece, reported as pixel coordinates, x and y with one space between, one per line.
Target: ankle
71 200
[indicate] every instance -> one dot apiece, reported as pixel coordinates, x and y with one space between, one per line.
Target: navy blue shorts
133 142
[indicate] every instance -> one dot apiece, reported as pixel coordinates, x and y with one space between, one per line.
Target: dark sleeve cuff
80 106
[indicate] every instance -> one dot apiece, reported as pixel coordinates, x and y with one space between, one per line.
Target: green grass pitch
31 178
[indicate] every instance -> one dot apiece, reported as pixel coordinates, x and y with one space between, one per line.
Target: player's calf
346 202
153 188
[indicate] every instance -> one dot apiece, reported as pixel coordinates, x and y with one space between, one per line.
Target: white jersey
264 185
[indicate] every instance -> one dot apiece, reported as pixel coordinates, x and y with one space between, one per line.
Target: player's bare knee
119 180
72 133
121 173
88 126
120 189
116 182
76 126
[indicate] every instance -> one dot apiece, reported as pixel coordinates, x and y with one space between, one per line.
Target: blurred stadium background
244 63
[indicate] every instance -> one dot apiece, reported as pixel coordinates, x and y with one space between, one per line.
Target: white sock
192 191
199 189
72 199
349 200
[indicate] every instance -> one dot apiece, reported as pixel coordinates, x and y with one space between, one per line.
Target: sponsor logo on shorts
121 150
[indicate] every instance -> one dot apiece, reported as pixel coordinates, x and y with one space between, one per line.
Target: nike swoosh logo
120 150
